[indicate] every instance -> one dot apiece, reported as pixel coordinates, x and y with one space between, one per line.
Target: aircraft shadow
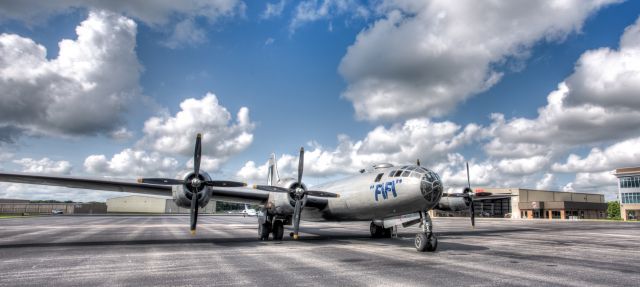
315 239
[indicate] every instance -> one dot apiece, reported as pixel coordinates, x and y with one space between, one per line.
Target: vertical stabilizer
273 176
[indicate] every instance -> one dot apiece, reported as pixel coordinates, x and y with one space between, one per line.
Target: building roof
142 195
627 171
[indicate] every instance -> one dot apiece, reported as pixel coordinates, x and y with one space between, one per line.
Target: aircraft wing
229 194
87 183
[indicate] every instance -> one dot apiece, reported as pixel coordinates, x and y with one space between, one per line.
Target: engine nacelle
283 203
453 204
182 194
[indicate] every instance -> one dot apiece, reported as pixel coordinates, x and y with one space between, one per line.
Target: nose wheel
426 240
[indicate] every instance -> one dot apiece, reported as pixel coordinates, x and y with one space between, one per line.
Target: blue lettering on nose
384 189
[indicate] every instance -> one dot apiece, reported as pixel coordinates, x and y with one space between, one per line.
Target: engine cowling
182 194
284 203
453 204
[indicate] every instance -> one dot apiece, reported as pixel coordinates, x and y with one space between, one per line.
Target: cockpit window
429 176
405 173
416 174
411 168
391 173
398 172
378 177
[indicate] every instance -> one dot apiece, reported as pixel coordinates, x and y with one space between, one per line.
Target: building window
630 182
631 197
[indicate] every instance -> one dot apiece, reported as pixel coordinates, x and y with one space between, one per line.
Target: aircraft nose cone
431 191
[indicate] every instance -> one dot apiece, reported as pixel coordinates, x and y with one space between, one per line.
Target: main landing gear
379 231
270 225
426 240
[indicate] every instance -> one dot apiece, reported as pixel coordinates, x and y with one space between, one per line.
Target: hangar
531 203
22 206
629 192
150 204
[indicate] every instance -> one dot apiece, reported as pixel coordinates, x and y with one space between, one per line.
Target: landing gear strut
426 240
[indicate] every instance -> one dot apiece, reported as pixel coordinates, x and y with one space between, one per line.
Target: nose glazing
431 187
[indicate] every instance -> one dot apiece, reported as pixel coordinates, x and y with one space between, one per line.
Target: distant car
56 211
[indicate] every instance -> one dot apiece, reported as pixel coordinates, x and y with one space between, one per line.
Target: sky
533 94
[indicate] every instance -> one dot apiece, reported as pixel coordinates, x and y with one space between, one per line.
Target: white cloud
186 33
547 182
151 13
273 9
44 165
84 91
622 154
597 182
421 58
598 102
221 137
269 41
400 144
175 16
132 163
522 166
315 10
166 137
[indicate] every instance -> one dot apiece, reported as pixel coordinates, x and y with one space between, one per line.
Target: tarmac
159 251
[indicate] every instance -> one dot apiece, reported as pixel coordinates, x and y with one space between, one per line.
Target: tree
613 210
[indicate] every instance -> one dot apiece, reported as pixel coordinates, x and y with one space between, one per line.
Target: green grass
13 216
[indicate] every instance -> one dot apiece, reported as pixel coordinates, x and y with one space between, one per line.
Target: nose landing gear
426 240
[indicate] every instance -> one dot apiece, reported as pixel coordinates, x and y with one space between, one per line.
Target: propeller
468 196
418 162
194 182
298 194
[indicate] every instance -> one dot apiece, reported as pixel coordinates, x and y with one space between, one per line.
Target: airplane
387 196
249 211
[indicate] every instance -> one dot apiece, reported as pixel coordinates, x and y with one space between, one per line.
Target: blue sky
355 82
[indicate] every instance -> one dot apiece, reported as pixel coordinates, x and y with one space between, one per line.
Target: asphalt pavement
160 251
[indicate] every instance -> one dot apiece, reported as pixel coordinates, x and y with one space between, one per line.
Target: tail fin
273 175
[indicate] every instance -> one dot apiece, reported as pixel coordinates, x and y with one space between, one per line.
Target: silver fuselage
377 194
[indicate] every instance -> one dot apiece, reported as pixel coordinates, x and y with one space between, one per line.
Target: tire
432 243
421 242
425 242
376 231
278 230
387 232
263 231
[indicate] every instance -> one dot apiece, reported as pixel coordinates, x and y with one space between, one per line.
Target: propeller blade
300 164
194 212
472 210
468 178
197 154
319 193
224 183
271 188
418 162
296 218
161 181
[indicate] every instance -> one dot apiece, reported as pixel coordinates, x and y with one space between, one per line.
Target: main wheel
432 243
278 230
426 242
263 231
376 231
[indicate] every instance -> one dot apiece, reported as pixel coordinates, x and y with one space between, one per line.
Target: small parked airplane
249 211
388 196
